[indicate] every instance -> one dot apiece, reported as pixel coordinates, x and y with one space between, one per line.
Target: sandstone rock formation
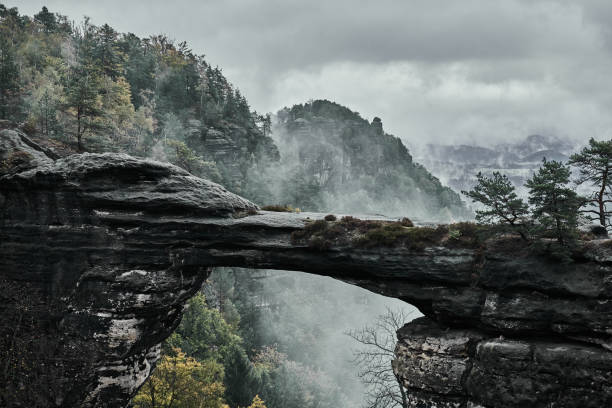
99 253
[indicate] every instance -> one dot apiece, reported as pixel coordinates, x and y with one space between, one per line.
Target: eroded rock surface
100 252
470 368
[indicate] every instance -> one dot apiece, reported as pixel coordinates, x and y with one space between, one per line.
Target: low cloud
434 71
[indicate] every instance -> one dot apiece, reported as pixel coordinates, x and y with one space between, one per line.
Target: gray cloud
433 70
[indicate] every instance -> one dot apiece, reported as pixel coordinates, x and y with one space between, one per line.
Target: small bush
355 224
333 232
349 220
309 230
467 234
468 229
407 222
383 235
316 226
454 234
322 234
319 243
330 217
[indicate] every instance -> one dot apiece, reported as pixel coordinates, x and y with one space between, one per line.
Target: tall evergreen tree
83 102
595 165
9 79
107 53
242 380
47 19
555 204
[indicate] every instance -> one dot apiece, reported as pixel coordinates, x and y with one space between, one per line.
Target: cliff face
99 253
351 163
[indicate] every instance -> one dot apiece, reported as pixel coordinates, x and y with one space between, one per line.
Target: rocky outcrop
233 148
472 368
354 163
99 253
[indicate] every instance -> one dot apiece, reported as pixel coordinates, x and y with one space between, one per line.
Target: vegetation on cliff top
554 206
351 231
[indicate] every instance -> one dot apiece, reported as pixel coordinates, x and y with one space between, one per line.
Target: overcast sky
434 71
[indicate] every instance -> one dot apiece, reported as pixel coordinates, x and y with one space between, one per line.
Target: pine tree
555 205
110 59
83 102
241 378
9 79
595 165
47 19
267 124
499 198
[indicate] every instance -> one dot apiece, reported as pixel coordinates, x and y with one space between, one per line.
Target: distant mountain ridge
457 165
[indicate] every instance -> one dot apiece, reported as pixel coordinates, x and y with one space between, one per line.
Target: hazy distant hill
354 165
458 165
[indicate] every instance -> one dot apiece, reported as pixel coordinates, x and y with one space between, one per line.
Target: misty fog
308 317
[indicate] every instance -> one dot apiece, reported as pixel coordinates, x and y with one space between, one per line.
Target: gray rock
100 252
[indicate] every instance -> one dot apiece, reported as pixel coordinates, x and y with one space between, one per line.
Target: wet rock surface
106 249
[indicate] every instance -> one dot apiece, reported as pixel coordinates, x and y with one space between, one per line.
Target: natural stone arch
111 247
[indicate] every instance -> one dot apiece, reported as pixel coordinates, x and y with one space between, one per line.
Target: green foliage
555 204
501 204
9 78
498 195
183 156
257 403
242 378
47 19
182 382
204 333
102 90
83 102
595 166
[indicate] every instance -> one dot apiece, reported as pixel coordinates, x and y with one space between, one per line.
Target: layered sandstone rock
100 252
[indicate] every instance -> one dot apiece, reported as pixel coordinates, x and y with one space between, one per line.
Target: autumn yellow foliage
183 382
257 403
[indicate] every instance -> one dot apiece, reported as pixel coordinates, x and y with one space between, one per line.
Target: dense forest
94 89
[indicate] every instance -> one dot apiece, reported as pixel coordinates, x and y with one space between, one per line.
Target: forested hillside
350 164
95 89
